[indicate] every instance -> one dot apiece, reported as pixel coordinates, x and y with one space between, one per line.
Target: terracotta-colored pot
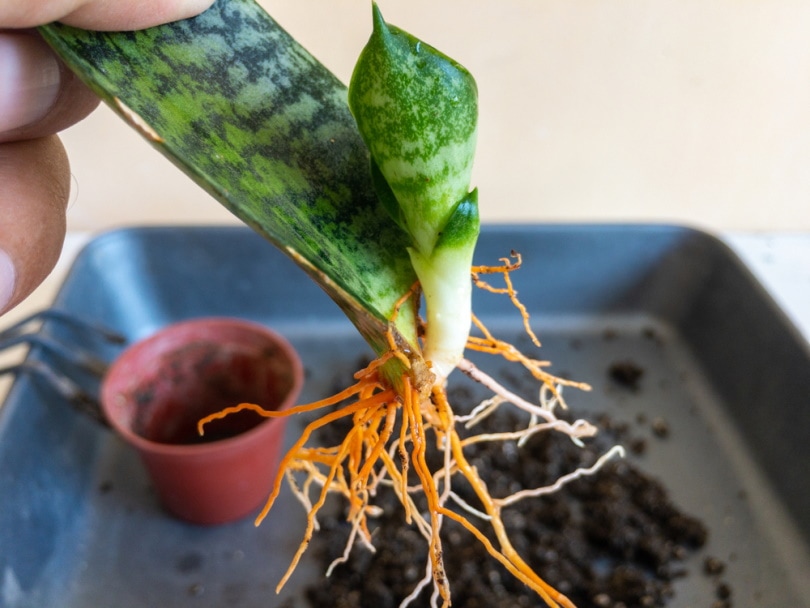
157 389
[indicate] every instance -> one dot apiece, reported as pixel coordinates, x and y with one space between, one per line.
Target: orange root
508 289
392 429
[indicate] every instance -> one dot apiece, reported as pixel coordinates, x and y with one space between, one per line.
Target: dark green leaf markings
417 111
250 115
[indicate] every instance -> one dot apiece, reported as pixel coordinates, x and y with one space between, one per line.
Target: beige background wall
687 111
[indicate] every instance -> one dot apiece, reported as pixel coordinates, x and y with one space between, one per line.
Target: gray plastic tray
80 526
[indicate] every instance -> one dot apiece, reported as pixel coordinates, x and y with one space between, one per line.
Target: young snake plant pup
417 112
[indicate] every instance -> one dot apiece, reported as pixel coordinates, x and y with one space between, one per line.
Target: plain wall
684 111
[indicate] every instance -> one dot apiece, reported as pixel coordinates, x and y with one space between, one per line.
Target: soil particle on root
614 539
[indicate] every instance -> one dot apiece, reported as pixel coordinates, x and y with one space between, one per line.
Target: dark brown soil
626 373
613 540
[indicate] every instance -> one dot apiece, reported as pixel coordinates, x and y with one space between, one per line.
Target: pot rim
244 439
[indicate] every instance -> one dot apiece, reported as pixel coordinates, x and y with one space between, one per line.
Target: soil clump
612 540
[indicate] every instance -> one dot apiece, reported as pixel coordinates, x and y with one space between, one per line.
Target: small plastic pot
157 390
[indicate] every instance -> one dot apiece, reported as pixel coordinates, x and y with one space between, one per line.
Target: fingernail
8 277
29 80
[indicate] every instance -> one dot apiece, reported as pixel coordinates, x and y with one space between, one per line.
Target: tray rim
505 228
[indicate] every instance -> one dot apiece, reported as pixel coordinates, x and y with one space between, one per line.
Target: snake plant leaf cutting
243 109
240 106
417 111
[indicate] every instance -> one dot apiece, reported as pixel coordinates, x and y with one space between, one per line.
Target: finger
34 189
98 14
38 95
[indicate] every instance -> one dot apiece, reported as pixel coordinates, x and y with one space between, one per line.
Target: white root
616 450
424 582
302 494
348 549
481 411
522 435
577 430
469 508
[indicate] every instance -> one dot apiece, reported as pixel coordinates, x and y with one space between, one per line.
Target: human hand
38 98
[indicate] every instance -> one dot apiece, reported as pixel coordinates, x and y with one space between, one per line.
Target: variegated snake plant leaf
235 102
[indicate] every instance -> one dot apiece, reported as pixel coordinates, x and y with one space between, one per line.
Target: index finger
98 14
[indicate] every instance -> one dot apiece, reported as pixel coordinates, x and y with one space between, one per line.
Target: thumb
38 95
34 190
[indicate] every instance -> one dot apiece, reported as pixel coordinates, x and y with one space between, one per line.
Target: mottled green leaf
250 115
